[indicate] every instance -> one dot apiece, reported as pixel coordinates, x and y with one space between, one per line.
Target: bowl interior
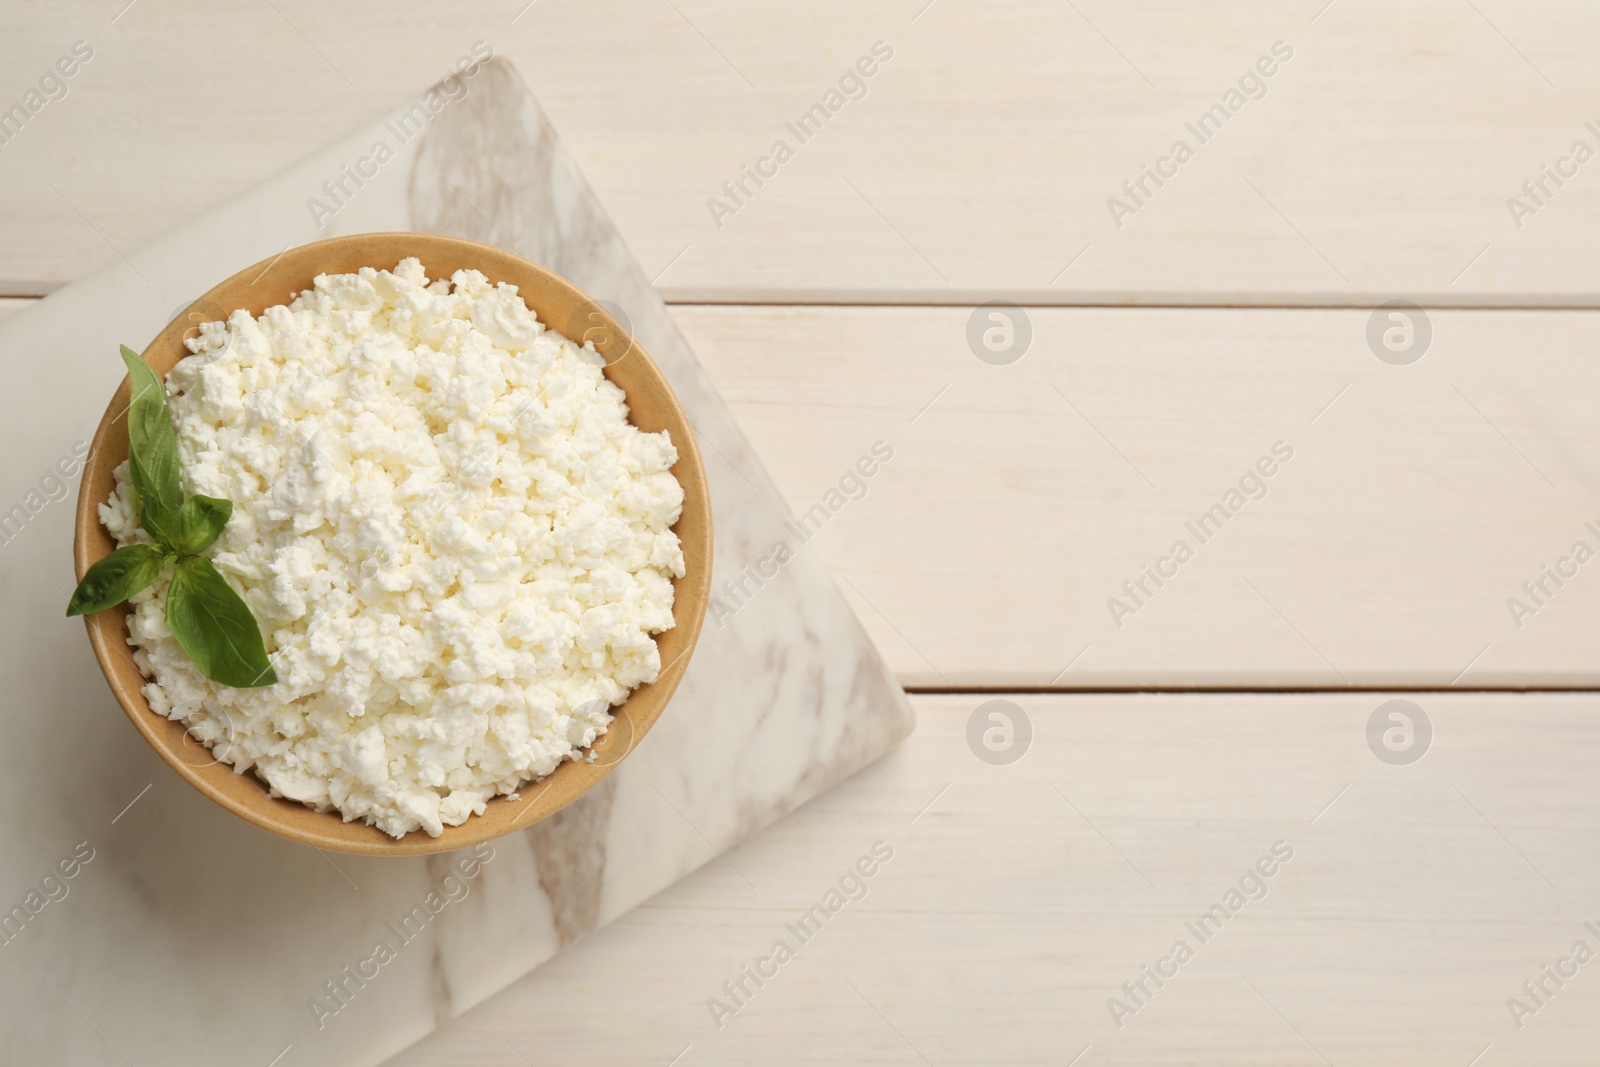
557 303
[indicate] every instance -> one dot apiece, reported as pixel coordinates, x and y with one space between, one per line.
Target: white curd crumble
457 545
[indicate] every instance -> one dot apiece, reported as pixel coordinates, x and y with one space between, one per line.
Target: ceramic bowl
557 303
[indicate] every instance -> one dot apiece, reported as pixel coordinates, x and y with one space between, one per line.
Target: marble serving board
155 928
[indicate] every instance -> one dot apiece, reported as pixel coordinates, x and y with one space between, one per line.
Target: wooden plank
984 553
1020 898
1379 162
1021 498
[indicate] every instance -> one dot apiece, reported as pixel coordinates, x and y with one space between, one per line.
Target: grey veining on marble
193 938
569 852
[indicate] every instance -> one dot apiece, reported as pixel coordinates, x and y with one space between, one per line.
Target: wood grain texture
1378 163
1416 902
1021 498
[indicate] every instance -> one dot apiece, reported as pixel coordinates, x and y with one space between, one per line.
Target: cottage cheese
456 544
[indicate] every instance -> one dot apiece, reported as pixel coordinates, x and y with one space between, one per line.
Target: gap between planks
1037 299
1233 690
1032 299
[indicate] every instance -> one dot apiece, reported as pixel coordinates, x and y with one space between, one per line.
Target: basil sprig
212 623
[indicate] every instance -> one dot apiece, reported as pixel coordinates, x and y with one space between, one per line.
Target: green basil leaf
214 627
116 578
152 445
192 528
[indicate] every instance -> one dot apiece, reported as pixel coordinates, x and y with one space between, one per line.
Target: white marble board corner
190 937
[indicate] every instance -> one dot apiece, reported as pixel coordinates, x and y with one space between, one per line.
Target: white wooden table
1176 338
